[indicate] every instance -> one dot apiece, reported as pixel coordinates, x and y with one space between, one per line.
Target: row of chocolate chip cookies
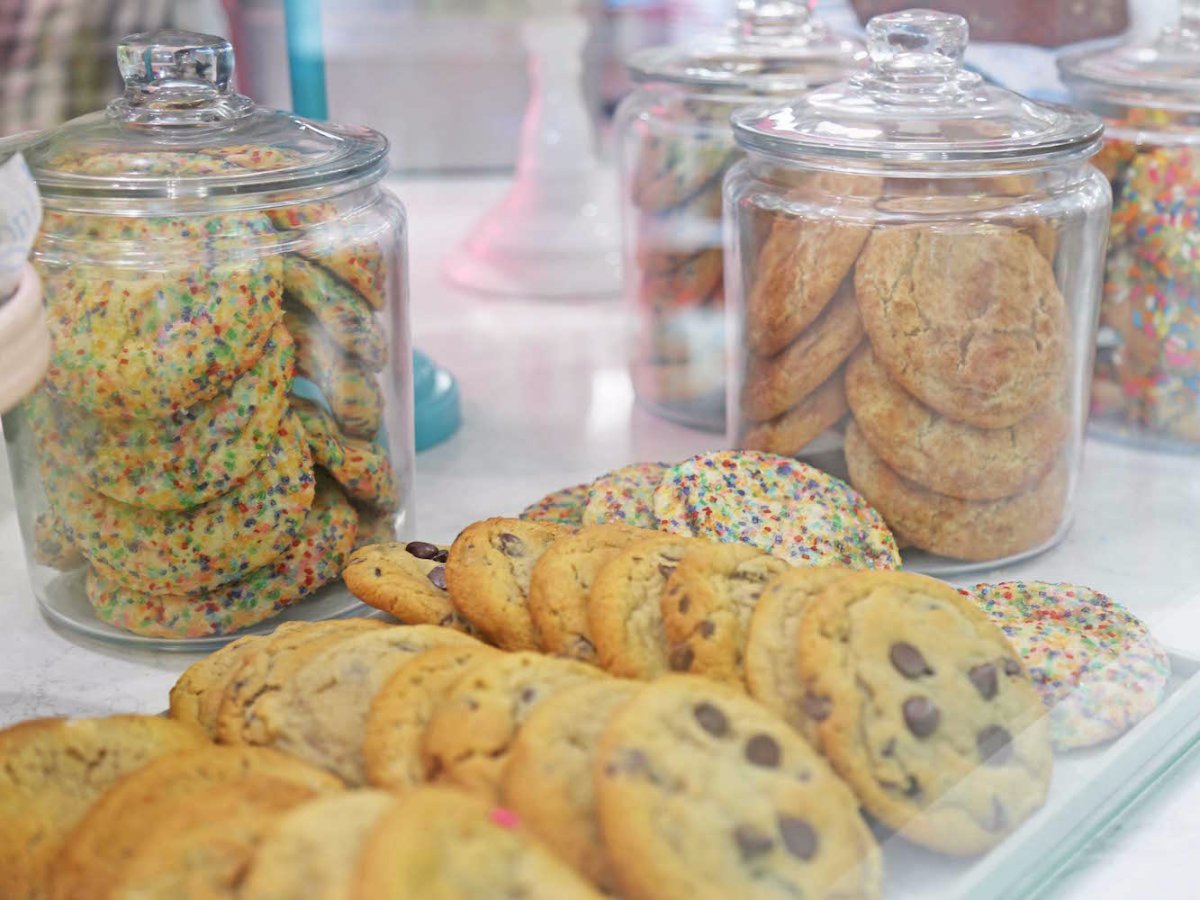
643 605
949 345
578 756
149 807
174 459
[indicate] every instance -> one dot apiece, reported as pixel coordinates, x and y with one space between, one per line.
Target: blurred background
449 87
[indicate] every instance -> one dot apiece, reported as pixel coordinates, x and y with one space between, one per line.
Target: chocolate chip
378 572
983 676
665 570
999 820
711 719
817 708
798 836
889 748
763 750
421 549
442 556
437 577
681 657
913 788
908 660
528 694
685 603
1012 667
921 716
630 762
995 745
751 842
707 628
510 544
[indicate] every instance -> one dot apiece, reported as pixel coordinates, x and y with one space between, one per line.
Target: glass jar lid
772 46
918 105
1162 73
180 130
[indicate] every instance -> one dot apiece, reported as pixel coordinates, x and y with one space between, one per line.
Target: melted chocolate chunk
921 716
1012 667
442 556
995 745
665 570
378 572
685 603
707 629
817 708
511 545
763 750
798 836
985 680
681 657
913 788
751 842
889 748
528 694
908 660
711 719
421 549
437 577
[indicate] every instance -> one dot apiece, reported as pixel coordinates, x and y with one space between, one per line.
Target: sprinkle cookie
561 507
624 496
346 246
779 505
338 308
197 549
1095 664
142 344
312 562
347 385
180 461
362 468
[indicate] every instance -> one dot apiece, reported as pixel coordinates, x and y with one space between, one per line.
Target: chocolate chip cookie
488 573
968 319
704 793
941 454
548 779
707 604
624 613
562 581
471 734
923 706
406 580
962 529
772 673
775 384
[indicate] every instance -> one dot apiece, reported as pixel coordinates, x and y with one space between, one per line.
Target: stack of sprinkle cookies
210 432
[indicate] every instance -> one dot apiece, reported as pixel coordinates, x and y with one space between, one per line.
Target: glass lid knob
174 77
917 42
773 18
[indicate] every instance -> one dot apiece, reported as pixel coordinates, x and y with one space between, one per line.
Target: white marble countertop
547 403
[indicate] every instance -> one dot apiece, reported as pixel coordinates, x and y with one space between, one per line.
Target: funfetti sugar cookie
1096 665
312 562
341 311
362 468
777 504
561 507
348 386
624 496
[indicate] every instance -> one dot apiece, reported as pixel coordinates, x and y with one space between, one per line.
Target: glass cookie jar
227 410
1147 374
675 146
915 267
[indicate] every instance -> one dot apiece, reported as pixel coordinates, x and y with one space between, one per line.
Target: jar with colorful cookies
675 147
227 410
915 268
1147 373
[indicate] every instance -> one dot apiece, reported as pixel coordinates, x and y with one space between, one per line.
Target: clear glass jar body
675 145
1146 387
227 411
928 335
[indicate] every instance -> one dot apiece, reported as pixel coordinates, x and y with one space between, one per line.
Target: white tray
1090 788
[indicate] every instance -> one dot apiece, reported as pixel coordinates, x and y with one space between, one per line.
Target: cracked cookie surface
704 793
925 709
941 454
968 319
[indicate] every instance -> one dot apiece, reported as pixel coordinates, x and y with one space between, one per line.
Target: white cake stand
555 234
